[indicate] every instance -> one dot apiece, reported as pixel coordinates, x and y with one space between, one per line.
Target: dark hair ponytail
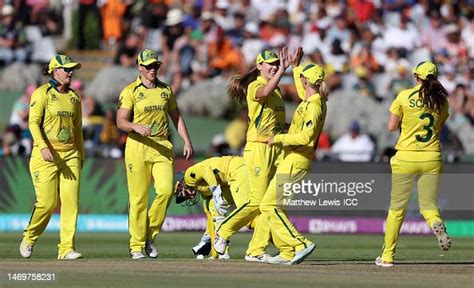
237 88
432 93
45 70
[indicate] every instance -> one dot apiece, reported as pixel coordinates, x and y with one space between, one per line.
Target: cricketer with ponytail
266 116
420 113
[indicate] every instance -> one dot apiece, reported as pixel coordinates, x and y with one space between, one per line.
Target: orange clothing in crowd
112 13
224 56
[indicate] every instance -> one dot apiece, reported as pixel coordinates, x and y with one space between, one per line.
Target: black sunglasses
152 66
67 70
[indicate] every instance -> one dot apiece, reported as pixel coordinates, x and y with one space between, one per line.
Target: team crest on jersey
140 96
36 174
257 171
74 100
300 110
54 97
164 95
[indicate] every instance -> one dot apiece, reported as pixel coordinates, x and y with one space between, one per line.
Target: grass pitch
338 261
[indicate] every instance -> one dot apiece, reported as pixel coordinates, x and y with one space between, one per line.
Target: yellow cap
314 73
147 57
267 56
62 61
425 68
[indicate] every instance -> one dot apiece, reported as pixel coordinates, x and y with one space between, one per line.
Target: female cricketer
223 183
144 106
420 113
266 118
55 123
299 149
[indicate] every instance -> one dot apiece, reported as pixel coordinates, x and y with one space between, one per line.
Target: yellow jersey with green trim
55 119
306 126
149 106
211 172
266 116
420 127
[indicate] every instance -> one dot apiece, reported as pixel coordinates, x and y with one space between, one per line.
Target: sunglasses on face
67 70
151 66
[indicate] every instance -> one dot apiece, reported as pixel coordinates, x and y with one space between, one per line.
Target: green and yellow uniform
418 153
55 122
299 147
228 172
266 118
147 157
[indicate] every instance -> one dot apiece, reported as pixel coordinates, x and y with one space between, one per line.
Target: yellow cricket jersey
149 107
420 127
266 116
211 172
55 119
306 125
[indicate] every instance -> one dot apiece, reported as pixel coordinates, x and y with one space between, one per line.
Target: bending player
223 183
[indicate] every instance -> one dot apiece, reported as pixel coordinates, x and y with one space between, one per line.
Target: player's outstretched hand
284 62
295 59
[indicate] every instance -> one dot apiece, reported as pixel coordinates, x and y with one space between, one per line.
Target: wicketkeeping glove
219 202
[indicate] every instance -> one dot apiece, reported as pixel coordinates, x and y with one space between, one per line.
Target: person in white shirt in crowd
353 146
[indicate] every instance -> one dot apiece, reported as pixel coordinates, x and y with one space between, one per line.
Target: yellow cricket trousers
51 180
143 162
284 235
408 168
261 161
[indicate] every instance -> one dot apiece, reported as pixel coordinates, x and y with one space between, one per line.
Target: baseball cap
267 56
425 68
314 73
147 57
62 61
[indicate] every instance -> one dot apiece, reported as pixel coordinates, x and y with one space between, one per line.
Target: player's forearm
271 85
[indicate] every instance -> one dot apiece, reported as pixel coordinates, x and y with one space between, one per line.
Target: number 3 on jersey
427 127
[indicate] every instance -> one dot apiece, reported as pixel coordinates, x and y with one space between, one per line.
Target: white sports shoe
384 264
444 241
25 249
71 255
136 255
259 259
220 245
278 260
150 249
302 254
226 256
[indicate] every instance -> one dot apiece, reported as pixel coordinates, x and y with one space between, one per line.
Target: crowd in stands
368 48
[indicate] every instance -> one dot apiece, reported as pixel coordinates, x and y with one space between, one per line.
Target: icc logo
257 171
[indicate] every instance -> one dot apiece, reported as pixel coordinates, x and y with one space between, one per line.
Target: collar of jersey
139 83
312 97
54 84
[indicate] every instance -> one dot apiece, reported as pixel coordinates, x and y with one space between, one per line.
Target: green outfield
339 260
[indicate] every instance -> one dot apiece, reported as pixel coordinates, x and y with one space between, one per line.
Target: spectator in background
223 57
128 50
173 30
353 146
19 119
85 7
12 38
112 12
364 85
251 44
